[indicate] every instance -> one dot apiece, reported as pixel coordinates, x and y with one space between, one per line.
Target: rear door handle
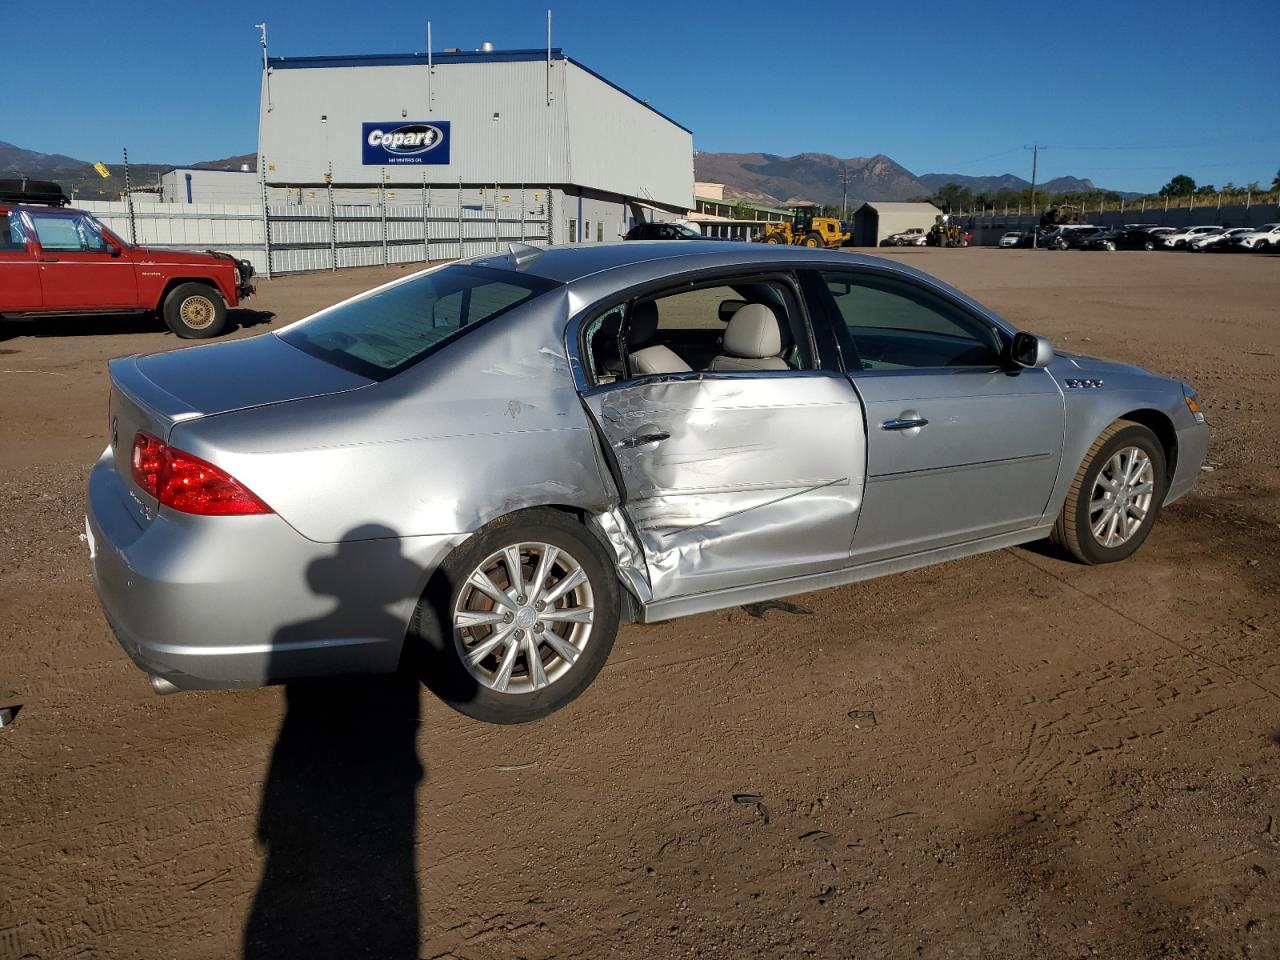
904 423
643 440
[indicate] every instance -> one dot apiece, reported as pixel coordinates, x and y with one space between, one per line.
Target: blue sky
1127 93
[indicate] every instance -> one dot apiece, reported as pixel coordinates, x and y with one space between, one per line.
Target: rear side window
389 331
12 235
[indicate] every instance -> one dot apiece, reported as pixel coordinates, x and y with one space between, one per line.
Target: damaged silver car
487 466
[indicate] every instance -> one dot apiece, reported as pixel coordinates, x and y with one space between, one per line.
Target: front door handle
49 260
904 423
643 440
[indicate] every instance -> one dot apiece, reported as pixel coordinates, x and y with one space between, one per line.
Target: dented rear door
736 478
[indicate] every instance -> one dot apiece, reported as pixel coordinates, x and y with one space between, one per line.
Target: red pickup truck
55 260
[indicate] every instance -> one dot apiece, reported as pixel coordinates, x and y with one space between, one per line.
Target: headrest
755 332
644 323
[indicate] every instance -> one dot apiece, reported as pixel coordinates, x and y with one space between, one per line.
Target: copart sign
405 141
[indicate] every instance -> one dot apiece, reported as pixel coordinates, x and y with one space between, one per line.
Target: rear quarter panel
486 426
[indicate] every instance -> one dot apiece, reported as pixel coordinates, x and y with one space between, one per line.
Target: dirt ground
1004 757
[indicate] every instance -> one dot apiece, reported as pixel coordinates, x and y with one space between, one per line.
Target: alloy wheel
197 312
1121 496
523 617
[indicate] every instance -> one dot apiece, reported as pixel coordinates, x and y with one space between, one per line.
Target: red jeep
55 260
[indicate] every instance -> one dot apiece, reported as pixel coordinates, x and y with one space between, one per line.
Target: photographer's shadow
338 812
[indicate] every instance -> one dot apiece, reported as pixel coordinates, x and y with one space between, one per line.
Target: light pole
1035 155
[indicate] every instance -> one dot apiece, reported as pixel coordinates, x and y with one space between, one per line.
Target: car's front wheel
530 611
1115 497
195 311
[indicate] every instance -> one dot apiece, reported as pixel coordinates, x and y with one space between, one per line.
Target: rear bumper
207 602
1193 444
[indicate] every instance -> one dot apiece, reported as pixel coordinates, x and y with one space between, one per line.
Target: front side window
895 324
738 326
388 331
63 234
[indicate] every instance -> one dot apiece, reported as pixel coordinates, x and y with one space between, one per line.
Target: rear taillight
184 482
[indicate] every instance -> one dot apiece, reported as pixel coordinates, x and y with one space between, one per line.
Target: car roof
567 264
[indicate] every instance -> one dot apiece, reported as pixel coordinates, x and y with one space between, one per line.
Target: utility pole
1035 156
844 193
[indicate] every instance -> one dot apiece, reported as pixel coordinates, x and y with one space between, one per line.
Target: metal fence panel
367 228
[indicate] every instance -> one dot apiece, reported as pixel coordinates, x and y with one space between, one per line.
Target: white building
505 121
193 185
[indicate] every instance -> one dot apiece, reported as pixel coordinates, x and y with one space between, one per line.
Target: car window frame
848 349
822 346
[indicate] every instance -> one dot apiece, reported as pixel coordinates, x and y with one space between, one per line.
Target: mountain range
762 177
78 177
769 178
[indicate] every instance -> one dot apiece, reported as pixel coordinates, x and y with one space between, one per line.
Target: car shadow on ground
338 812
239 318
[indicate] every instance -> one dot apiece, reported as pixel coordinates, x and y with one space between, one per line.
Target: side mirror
113 250
1030 350
728 308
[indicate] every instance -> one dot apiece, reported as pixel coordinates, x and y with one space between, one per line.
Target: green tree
1179 186
952 196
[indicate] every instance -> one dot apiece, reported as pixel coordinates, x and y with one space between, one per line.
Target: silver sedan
480 470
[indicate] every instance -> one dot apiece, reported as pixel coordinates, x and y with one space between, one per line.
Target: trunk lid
153 393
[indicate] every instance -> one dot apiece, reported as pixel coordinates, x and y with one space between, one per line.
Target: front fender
1091 409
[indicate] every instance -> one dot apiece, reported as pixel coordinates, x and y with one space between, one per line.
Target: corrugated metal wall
303 236
502 130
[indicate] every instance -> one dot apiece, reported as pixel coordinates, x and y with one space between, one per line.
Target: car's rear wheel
1149 245
1109 246
195 311
531 614
1115 497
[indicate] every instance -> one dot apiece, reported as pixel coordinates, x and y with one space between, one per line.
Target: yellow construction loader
806 230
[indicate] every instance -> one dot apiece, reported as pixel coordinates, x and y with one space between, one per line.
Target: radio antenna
266 71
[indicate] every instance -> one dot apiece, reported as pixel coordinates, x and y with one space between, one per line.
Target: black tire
432 628
813 240
773 238
1148 245
195 311
1073 531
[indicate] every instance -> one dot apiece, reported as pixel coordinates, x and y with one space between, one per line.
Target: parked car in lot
1015 238
1130 237
1071 236
1216 241
1179 239
914 237
487 466
664 231
55 260
1265 237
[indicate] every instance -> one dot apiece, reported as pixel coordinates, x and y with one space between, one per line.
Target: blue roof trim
414 59
469 56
